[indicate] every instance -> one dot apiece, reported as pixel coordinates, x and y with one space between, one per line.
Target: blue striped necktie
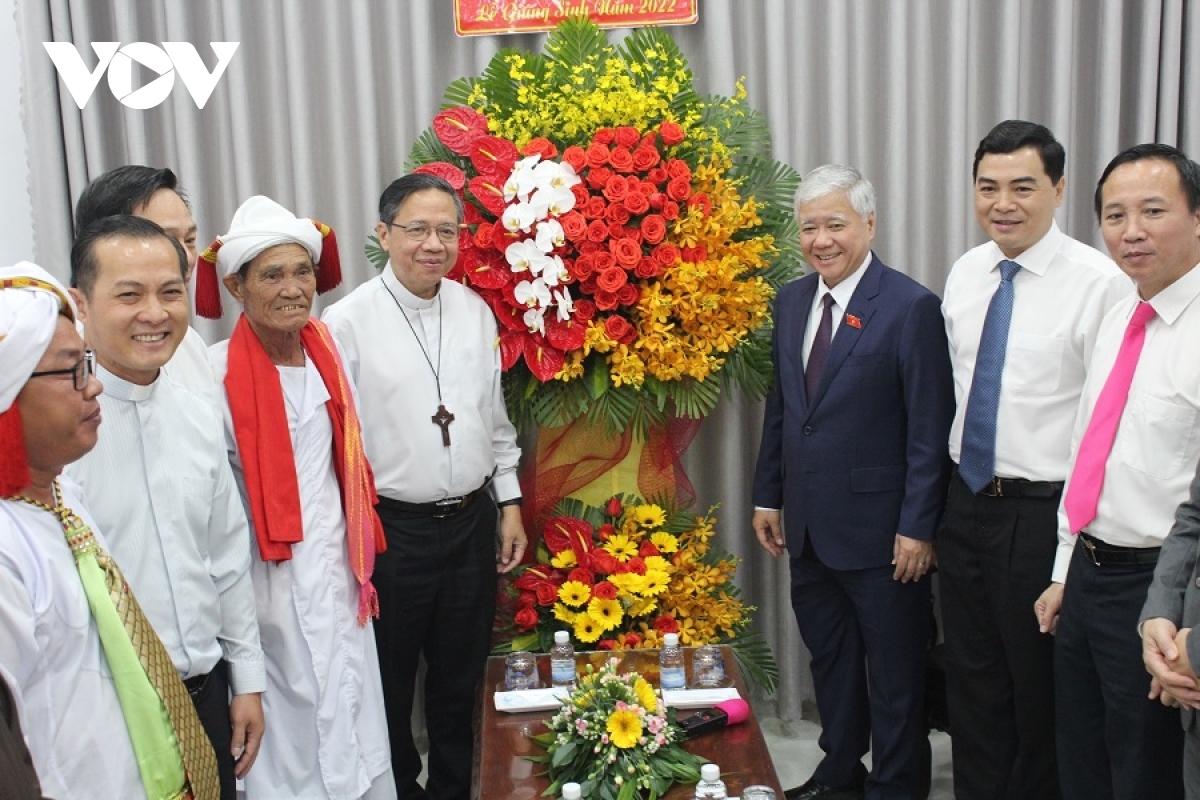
977 462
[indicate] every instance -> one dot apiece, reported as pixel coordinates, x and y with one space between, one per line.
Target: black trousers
1113 742
437 595
995 556
211 700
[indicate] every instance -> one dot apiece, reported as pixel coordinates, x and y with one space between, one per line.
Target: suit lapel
795 333
861 308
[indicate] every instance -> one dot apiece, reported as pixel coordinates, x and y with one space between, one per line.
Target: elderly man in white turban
294 439
106 715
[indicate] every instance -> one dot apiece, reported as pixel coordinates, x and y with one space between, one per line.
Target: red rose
627 253
576 156
670 210
616 187
628 136
666 624
588 286
636 203
547 594
671 133
653 228
617 328
637 565
695 254
666 254
526 618
605 644
595 207
605 591
679 188
587 246
702 201
540 146
621 159
597 230
604 260
597 155
648 549
582 267
604 563
644 158
613 507
581 194
574 226
628 295
648 268
617 213
605 301
611 279
632 640
606 530
598 177
604 136
678 168
582 575
585 309
657 176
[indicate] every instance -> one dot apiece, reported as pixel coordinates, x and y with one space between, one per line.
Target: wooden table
502 739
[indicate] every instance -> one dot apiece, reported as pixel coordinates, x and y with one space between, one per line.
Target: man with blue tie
854 451
1022 311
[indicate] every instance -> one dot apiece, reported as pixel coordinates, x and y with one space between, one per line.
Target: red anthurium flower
494 156
447 172
458 127
543 360
489 191
556 534
566 336
487 271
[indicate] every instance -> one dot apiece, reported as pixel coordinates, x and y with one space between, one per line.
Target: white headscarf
261 223
30 302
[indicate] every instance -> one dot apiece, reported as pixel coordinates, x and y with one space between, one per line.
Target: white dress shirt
189 367
841 297
1060 296
1154 455
51 656
399 394
159 483
324 697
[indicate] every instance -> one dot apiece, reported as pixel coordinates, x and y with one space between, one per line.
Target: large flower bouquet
615 738
620 577
628 233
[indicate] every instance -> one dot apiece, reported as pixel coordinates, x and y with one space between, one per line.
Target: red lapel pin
853 321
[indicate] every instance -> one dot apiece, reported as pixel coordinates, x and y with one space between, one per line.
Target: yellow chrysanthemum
621 547
624 728
650 516
665 542
641 606
645 694
627 583
587 629
608 613
659 563
564 559
574 593
564 614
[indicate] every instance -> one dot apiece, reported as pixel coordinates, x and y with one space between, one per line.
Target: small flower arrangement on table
616 738
620 577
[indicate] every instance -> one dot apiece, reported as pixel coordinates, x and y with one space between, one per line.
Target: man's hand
768 527
512 539
912 558
1161 655
246 714
1047 606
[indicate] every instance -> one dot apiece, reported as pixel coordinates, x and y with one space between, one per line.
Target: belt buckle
997 487
447 506
1091 550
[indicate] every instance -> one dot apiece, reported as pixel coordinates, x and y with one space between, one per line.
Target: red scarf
269 465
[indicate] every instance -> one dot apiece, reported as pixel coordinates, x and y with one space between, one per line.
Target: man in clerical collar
160 484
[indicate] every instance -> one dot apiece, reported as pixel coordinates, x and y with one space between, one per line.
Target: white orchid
549 235
522 180
564 303
535 293
519 217
525 256
535 320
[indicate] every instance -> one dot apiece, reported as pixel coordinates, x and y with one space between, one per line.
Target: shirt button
808 430
1198 583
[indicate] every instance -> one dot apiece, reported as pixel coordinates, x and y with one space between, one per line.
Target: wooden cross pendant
442 419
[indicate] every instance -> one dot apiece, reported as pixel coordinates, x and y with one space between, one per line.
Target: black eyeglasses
419 231
80 374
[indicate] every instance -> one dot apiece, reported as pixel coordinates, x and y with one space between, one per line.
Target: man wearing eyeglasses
160 485
421 350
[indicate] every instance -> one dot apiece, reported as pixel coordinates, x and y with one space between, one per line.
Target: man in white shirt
154 194
1010 439
422 352
160 484
1134 450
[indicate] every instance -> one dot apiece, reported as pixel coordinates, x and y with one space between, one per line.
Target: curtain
323 99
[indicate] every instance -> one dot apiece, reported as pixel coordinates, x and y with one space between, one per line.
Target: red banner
478 17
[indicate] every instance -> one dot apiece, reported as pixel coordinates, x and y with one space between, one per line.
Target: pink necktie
1083 490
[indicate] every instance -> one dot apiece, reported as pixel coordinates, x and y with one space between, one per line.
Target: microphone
730 712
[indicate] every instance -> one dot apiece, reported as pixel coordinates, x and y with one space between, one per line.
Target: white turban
261 223
30 302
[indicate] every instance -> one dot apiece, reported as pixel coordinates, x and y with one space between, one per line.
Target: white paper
531 699
698 698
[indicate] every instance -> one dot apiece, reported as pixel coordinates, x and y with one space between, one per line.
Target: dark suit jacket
867 459
1175 591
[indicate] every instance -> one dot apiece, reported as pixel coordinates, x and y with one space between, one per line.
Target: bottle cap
671 639
710 773
562 637
571 791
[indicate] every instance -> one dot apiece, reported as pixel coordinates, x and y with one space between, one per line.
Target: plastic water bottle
710 785
562 660
671 672
571 791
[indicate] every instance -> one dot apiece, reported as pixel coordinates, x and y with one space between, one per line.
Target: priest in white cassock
105 714
296 446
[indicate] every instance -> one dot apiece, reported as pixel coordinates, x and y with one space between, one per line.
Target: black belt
1019 487
437 509
1102 553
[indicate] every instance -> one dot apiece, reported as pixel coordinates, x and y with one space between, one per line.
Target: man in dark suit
854 447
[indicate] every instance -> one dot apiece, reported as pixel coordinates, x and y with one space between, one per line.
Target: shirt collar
121 389
1037 258
845 290
1171 301
403 296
